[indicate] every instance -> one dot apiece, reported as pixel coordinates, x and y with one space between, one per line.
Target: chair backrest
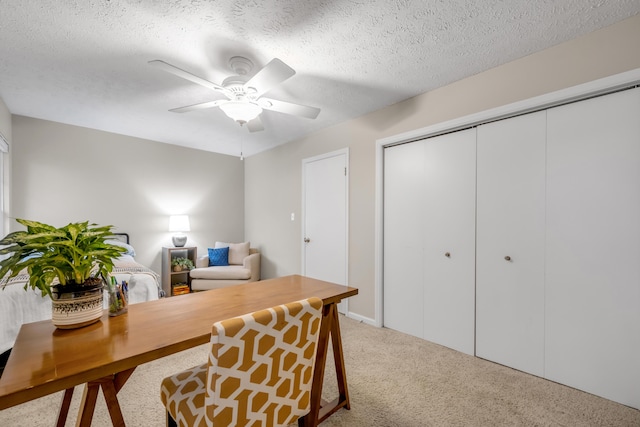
261 366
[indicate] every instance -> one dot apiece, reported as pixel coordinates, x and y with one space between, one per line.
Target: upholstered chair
240 264
259 372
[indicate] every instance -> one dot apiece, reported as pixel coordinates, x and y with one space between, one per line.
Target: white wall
64 173
273 188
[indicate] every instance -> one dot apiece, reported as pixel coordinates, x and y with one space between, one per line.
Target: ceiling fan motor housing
236 84
240 65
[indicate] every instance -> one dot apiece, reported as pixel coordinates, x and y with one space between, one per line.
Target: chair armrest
202 261
252 262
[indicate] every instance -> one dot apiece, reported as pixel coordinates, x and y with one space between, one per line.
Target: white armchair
243 267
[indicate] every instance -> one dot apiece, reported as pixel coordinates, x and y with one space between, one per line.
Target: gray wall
5 130
273 187
5 120
64 173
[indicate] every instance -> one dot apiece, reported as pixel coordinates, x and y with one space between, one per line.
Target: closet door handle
447 254
507 258
307 240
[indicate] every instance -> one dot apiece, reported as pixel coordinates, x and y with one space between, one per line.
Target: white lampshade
179 223
241 111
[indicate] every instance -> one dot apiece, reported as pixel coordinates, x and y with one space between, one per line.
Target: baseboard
362 319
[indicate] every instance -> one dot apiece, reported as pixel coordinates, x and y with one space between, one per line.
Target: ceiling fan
244 96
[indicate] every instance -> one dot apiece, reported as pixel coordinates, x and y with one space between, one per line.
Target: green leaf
67 254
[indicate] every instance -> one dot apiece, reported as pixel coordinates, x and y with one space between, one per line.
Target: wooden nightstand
176 282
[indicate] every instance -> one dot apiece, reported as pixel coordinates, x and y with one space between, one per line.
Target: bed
18 306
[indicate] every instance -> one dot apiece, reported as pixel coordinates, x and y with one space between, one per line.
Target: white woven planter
77 309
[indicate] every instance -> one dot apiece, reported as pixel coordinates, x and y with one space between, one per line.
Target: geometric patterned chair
259 371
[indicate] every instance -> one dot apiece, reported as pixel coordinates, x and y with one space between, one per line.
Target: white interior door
325 218
593 246
429 239
403 292
510 223
449 221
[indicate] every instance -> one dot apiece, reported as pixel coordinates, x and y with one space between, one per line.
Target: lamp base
179 240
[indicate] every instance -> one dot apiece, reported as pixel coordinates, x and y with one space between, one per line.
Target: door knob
507 258
447 254
307 240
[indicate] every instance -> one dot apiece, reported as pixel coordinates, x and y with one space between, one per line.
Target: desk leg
88 404
338 357
109 391
64 407
319 412
110 385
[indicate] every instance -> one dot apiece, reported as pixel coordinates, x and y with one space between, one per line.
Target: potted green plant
69 264
181 263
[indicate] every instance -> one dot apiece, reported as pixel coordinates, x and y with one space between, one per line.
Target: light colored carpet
394 380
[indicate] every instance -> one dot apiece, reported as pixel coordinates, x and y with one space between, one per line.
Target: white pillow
237 251
116 242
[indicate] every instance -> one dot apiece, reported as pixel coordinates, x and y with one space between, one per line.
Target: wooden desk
46 360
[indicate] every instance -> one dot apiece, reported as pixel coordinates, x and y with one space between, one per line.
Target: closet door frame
575 93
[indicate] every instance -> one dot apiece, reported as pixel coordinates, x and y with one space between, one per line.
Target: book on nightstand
180 289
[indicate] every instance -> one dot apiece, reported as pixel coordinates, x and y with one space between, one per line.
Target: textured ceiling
84 62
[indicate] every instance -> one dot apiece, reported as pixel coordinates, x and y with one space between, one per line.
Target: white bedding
18 306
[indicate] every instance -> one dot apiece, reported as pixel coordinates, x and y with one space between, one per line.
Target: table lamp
179 223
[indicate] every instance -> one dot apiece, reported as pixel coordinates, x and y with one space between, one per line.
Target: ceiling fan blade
188 76
274 73
289 108
201 106
255 125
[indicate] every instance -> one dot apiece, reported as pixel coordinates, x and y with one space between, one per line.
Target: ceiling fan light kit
241 111
244 102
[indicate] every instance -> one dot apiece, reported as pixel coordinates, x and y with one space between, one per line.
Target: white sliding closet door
449 191
510 242
403 238
593 246
429 239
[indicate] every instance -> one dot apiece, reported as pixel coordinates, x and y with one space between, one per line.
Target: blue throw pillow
219 256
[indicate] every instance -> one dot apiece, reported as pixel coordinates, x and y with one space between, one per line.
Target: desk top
45 360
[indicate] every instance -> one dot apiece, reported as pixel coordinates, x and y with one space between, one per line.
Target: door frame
336 153
601 86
